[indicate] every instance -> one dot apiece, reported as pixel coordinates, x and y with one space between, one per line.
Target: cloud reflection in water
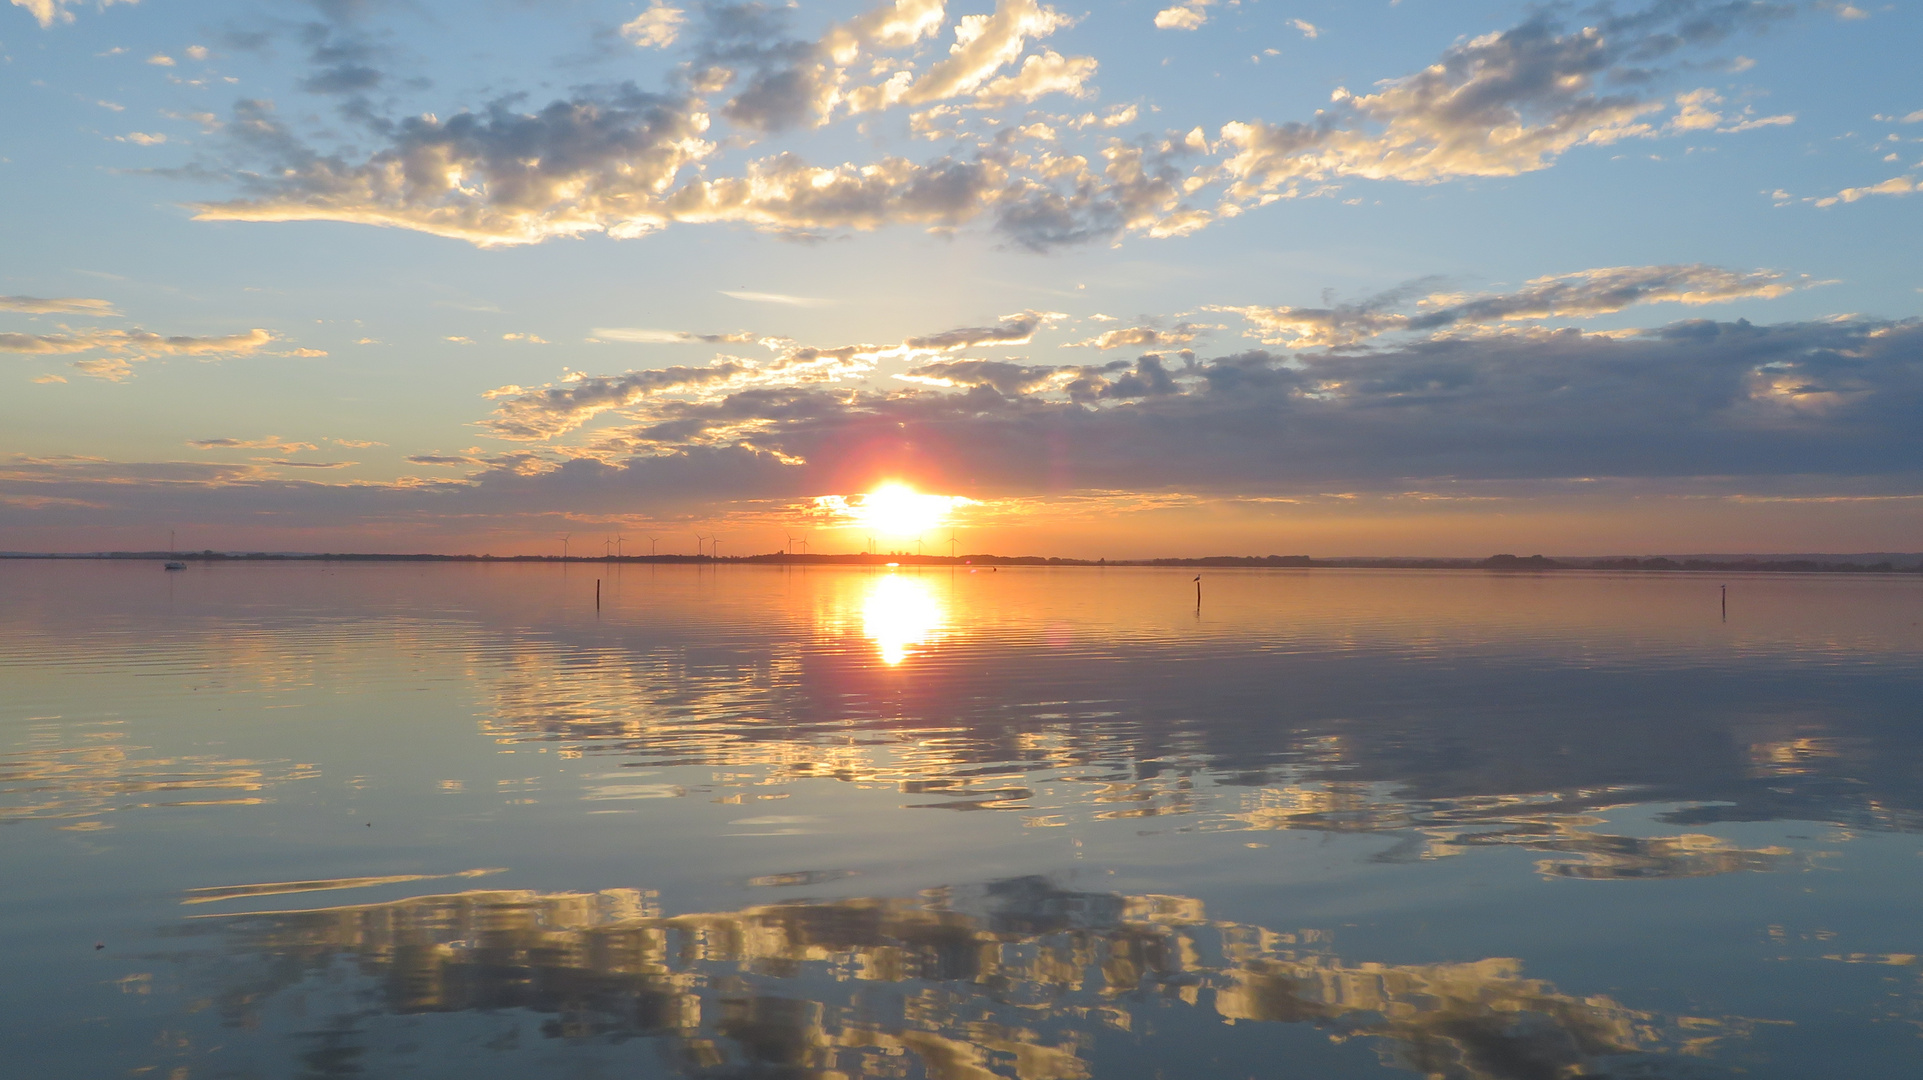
1016 978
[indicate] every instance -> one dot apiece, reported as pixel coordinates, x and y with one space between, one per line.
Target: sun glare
898 614
894 509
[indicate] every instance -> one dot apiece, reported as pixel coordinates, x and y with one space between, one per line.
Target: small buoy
98 945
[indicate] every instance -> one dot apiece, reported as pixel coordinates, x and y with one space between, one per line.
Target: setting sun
893 509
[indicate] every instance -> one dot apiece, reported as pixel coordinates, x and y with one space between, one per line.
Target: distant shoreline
1891 563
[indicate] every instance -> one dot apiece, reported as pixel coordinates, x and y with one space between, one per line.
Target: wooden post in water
1198 592
597 594
1725 589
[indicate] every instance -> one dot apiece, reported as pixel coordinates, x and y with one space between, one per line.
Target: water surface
309 819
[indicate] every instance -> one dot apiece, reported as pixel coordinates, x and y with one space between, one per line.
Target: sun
894 509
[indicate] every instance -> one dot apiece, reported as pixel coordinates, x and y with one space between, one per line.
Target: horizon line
1727 562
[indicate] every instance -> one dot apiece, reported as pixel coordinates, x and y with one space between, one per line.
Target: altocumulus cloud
627 162
1501 104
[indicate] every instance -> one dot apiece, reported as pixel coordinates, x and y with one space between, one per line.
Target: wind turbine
714 546
951 544
698 541
564 546
607 547
651 541
618 540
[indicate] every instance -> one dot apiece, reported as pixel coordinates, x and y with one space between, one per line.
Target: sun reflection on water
900 613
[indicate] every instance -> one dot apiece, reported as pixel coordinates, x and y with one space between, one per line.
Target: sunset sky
1125 280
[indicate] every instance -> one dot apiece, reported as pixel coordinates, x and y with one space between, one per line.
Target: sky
1394 277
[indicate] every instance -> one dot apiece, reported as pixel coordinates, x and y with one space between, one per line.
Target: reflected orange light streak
900 613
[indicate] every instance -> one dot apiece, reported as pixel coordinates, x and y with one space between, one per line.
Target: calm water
449 821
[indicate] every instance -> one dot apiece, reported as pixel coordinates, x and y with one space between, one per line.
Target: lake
318 819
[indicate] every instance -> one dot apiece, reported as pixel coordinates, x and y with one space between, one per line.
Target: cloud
343 59
1187 16
127 347
48 12
1582 294
785 194
142 138
794 83
627 163
1119 380
897 25
271 442
494 177
667 337
620 161
69 305
655 28
1751 124
984 44
776 298
1692 399
531 339
1309 30
1505 103
546 412
207 121
1005 378
1146 337
1819 409
1016 329
787 82
1048 72
1695 112
1895 185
